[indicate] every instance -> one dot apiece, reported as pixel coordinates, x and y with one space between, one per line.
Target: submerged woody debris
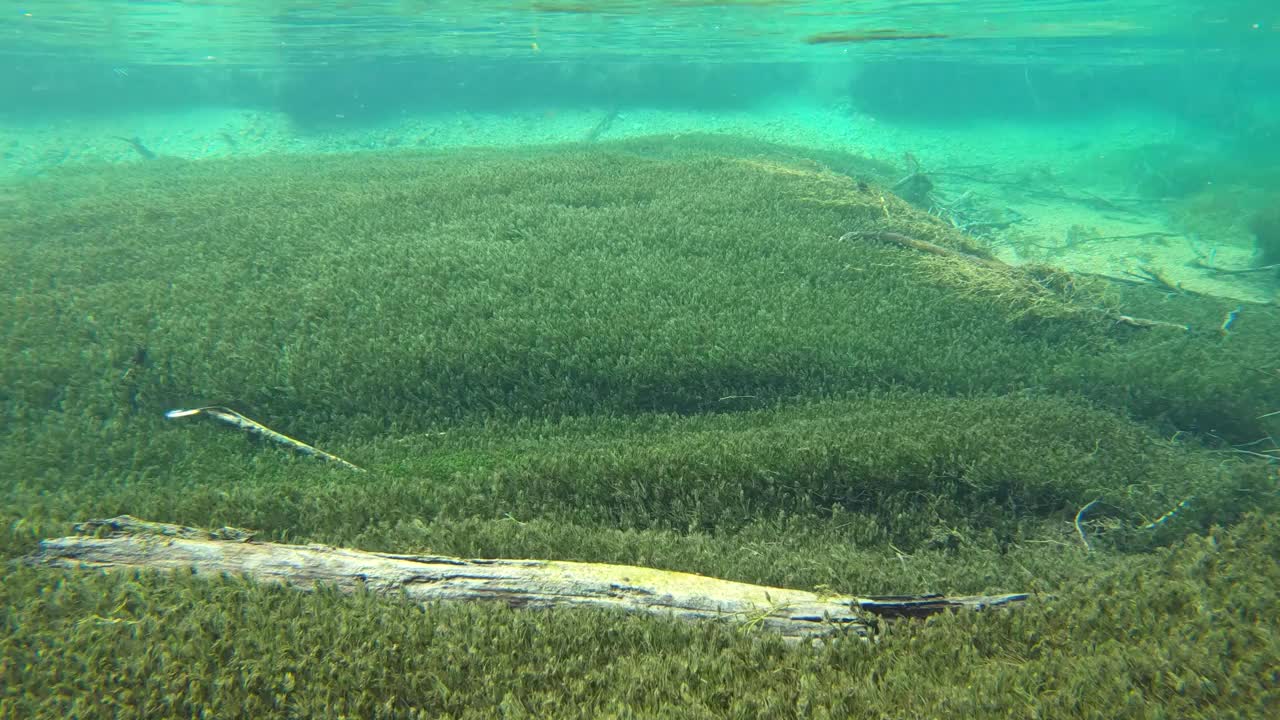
233 418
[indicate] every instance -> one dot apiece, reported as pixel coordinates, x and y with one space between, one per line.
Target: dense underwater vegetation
654 352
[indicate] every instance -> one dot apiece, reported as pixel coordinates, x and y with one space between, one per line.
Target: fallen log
127 543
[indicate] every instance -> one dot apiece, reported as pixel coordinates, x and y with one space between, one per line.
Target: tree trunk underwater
125 542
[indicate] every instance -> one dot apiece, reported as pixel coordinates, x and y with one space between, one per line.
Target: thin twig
1233 271
1146 322
933 249
923 246
1080 528
1134 236
1251 453
235 419
1154 277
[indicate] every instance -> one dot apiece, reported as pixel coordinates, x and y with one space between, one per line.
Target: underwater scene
640 359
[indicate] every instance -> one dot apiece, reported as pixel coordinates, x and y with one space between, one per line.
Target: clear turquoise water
111 55
1135 139
1155 104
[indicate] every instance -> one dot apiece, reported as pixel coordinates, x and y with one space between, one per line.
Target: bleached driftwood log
129 543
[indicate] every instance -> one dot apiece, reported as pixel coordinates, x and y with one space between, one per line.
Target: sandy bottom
1068 193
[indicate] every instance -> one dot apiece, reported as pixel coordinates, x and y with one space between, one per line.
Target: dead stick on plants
923 246
1234 271
1151 276
127 543
1146 323
932 249
1080 527
253 427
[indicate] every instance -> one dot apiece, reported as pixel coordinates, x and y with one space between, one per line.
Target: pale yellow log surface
128 543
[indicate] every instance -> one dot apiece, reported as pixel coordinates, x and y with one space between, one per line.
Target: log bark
128 543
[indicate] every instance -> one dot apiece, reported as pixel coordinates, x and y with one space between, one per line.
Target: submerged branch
993 264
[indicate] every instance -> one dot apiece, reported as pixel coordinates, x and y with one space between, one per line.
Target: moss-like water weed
653 352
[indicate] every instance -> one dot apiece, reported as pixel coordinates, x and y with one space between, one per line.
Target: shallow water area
816 301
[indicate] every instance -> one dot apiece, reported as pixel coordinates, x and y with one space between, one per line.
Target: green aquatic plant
653 352
1188 629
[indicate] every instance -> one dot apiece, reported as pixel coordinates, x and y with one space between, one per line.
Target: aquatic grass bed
1187 632
653 352
407 292
898 468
